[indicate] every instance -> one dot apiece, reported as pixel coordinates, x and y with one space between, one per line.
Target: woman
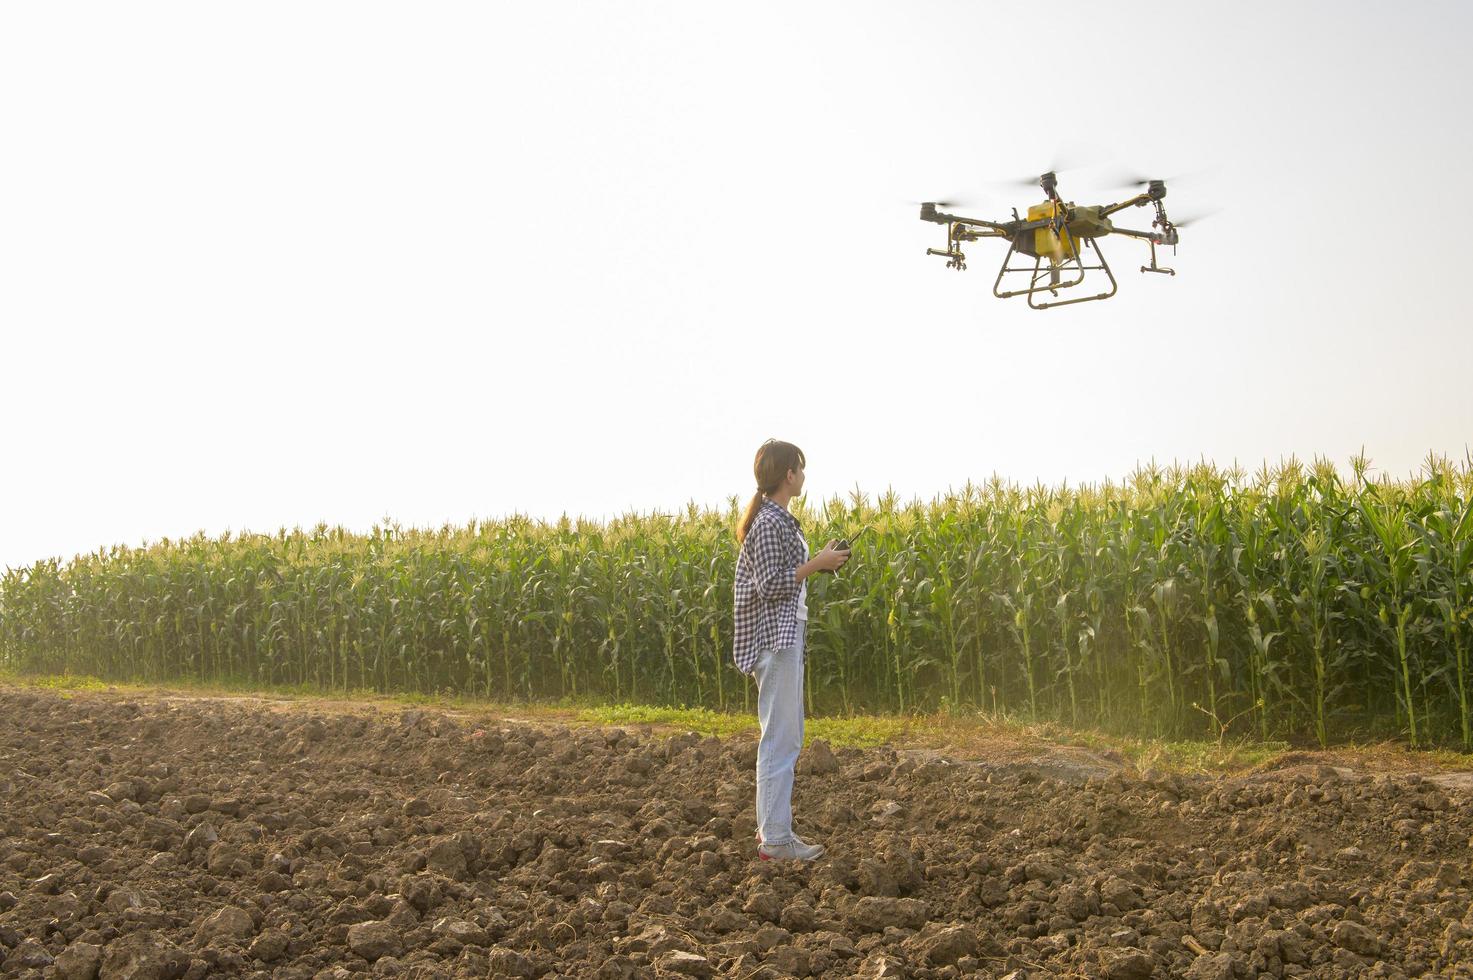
771 618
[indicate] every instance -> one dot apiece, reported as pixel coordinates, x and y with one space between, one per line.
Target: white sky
273 263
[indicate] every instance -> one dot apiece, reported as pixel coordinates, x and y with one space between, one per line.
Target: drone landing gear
1045 278
1153 267
955 259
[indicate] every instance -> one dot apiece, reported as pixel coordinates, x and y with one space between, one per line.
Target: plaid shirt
767 586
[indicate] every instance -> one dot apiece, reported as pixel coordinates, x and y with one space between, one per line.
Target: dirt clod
80 961
372 940
230 924
260 839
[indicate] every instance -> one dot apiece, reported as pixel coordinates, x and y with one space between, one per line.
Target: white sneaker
795 850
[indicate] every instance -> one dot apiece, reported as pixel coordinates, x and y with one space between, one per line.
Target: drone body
1056 235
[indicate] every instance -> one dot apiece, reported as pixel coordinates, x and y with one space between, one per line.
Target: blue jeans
779 676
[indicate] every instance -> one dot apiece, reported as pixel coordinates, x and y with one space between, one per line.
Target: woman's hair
771 466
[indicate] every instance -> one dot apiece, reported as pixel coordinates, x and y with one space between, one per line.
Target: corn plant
1293 602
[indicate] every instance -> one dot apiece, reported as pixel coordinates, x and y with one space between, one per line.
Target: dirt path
170 836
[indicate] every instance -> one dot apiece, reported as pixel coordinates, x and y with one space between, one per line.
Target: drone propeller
944 205
1036 181
1131 178
1065 160
1193 218
1024 181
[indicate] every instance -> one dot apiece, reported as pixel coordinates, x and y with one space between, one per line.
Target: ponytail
750 516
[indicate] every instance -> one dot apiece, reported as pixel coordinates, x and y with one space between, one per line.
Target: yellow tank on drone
1046 242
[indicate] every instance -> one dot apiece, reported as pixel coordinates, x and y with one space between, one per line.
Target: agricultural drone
1055 233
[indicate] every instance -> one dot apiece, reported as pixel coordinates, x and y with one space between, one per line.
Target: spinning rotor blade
1194 218
1131 178
1066 159
947 205
1024 181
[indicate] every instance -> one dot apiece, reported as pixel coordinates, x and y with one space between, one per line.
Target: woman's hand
830 559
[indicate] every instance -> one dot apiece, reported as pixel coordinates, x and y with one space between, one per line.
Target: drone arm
1145 236
961 231
994 230
993 226
929 213
1168 237
1134 202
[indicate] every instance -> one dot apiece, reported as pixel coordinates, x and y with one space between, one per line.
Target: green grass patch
862 731
966 733
54 682
868 731
234 688
701 720
1203 756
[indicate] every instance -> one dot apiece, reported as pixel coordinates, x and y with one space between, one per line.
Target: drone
1055 235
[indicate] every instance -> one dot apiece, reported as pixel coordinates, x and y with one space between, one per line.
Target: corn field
1293 603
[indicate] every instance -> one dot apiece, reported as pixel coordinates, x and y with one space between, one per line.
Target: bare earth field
158 837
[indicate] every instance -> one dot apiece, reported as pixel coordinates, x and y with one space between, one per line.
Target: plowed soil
163 838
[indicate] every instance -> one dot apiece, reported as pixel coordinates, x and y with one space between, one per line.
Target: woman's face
795 481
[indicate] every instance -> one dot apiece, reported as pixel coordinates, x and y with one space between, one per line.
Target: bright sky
285 262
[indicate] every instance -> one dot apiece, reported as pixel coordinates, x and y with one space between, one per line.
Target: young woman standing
771 619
